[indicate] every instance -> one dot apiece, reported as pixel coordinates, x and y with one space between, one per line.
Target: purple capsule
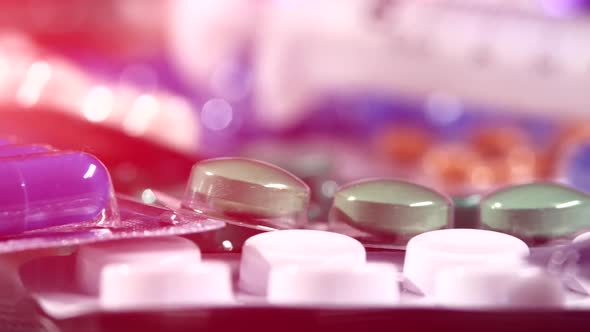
14 150
56 188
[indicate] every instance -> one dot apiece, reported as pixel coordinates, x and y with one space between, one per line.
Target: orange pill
497 142
404 145
523 164
509 152
457 169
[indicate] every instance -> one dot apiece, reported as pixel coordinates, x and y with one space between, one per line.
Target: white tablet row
474 268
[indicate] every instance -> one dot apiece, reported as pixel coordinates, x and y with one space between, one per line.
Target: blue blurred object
575 167
565 8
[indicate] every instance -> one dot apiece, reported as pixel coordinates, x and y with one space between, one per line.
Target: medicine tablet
497 285
263 252
145 285
390 207
51 189
536 212
429 253
247 191
371 284
161 252
536 289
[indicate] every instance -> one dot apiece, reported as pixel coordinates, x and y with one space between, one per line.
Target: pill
497 285
391 207
145 285
404 145
429 253
52 189
498 142
371 284
536 289
247 191
14 150
161 252
263 252
536 212
458 169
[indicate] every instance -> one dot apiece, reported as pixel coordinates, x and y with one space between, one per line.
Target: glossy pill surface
14 150
247 191
391 207
536 212
44 190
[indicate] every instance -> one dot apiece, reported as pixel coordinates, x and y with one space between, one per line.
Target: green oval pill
247 191
393 208
536 212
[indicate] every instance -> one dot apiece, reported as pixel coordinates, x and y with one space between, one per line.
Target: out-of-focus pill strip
506 60
111 28
30 78
139 133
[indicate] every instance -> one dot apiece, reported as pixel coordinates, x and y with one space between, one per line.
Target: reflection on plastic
249 192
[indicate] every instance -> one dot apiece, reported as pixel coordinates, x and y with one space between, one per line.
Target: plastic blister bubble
59 198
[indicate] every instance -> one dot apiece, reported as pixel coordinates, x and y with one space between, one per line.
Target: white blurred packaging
507 55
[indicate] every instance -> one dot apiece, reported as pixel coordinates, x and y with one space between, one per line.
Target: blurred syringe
519 56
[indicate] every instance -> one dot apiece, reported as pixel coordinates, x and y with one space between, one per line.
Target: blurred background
460 95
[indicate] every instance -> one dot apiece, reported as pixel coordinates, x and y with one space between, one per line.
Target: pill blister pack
35 79
414 206
459 269
380 212
527 250
53 198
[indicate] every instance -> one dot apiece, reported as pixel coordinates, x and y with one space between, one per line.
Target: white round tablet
264 252
143 285
497 285
371 284
431 252
536 289
158 251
